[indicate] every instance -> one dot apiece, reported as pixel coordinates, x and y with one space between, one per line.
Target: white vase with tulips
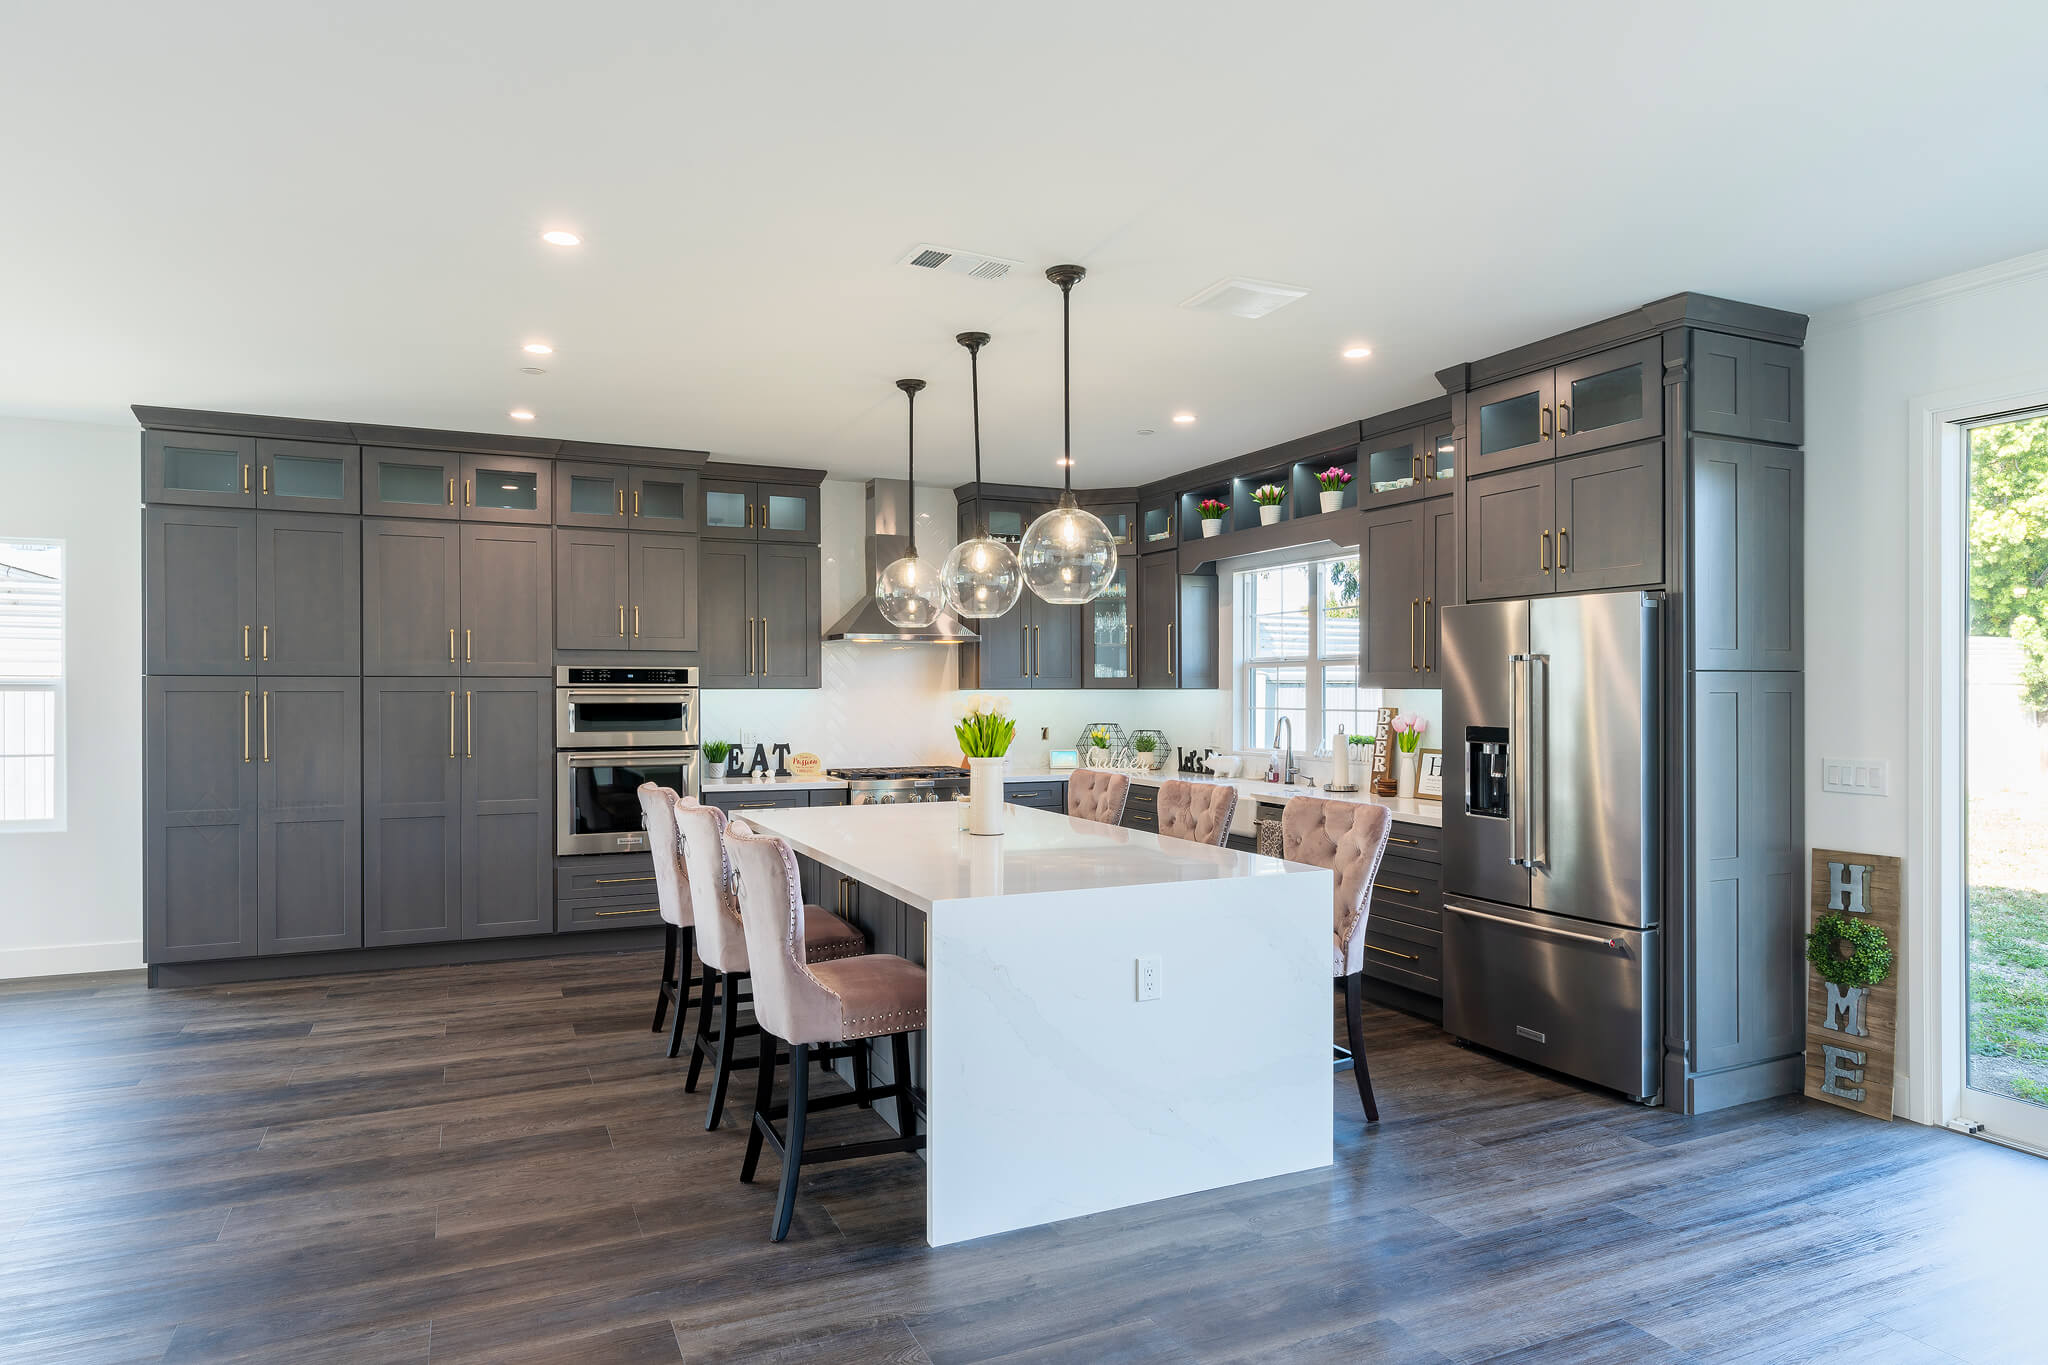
1408 731
985 732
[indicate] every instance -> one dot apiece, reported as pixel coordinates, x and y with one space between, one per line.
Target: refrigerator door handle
1536 687
1518 758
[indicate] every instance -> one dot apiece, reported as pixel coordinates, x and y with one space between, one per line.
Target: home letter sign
1851 1031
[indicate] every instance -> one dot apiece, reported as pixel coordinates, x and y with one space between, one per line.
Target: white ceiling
333 210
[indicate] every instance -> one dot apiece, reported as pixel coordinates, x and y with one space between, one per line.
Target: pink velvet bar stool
672 898
1199 812
807 1004
1096 795
1350 838
722 945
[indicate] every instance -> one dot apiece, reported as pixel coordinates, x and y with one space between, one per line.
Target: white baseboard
70 959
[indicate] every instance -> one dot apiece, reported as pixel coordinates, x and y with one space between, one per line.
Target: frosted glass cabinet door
411 483
507 488
592 495
308 476
1611 398
198 471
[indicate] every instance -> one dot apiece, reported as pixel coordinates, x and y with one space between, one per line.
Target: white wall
71 900
1866 366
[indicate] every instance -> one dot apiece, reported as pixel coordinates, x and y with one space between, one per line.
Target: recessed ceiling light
1183 417
1145 431
1350 352
542 348
531 369
560 238
520 415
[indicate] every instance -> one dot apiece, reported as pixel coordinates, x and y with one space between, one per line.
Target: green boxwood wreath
1849 952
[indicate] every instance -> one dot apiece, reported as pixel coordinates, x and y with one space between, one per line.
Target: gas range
896 786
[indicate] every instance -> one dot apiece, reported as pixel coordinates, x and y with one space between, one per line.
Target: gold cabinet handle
469 493
619 881
1397 839
451 490
1543 431
266 642
451 648
469 725
1397 890
1414 605
1169 649
245 478
467 654
1391 953
451 725
245 727
245 642
1564 419
1545 551
764 645
647 910
636 502
622 620
1427 604
266 725
750 515
1415 468
266 480
754 805
750 646
636 620
1564 545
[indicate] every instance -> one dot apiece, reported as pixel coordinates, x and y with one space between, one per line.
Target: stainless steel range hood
888 516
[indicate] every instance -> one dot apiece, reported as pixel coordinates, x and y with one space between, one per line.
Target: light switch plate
1856 776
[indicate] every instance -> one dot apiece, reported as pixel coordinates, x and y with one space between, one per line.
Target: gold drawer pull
1410 957
1397 890
600 914
1397 839
755 805
616 881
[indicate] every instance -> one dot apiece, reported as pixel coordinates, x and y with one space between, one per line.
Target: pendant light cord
974 380
910 388
1067 378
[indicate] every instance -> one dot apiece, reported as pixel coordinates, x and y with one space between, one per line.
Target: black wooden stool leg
728 1024
1354 1024
862 1085
668 975
899 1059
793 1137
764 1096
705 990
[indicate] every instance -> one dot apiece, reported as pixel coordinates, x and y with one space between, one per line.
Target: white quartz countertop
799 784
920 855
1413 812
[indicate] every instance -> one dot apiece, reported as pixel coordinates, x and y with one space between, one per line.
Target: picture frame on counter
1429 780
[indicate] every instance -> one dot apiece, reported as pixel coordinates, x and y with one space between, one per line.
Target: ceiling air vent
978 264
1242 298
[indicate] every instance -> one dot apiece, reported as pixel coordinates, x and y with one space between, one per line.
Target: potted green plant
1146 747
1269 496
1212 511
1332 481
715 751
985 731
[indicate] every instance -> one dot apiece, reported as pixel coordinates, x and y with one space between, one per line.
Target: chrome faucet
1288 772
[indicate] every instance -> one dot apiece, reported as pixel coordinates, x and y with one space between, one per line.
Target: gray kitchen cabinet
727 590
411 483
1748 388
1510 423
666 500
309 606
1748 582
593 577
509 489
1109 626
592 495
1440 579
1610 519
200 790
1391 569
1611 398
1177 624
507 602
662 593
508 806
1389 459
308 476
759 510
199 601
1035 644
198 471
789 606
1509 534
412 598
412 810
1055 643
309 852
1119 515
1155 521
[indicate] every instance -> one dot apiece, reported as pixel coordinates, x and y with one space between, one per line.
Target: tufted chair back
671 883
789 1002
701 833
1349 838
1098 796
1197 811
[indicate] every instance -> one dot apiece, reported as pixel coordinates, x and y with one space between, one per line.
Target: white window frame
53 686
1311 741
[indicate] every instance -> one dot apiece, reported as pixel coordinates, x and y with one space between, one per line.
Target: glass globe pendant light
982 576
909 594
1068 555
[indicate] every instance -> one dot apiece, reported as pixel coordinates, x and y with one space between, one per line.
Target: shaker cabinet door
1390 567
411 483
412 811
726 597
310 832
513 489
662 608
591 495
508 807
507 602
308 476
1747 576
198 471
309 594
199 613
786 512
1001 659
1440 578
200 818
788 604
1510 423
1158 610
1510 542
663 500
1610 519
412 598
1610 398
592 588
1055 644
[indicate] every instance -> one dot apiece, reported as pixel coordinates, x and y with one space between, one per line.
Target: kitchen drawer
1410 900
1408 863
1143 795
1413 841
1142 817
1043 795
766 798
605 875
830 796
1404 961
609 912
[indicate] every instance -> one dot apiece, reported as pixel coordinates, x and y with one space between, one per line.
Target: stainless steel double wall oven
616 728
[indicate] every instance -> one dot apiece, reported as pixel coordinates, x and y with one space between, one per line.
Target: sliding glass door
2005 778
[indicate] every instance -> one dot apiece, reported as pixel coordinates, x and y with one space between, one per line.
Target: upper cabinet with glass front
757 509
308 476
449 486
244 471
620 497
1607 399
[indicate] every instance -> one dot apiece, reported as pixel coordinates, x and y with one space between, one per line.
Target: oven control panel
626 677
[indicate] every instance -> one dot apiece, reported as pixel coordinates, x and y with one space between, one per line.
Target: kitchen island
1052 1089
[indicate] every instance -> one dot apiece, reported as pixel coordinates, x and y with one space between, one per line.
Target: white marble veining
1410 811
801 784
1046 1096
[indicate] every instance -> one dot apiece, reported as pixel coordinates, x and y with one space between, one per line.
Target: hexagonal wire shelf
1161 755
1119 747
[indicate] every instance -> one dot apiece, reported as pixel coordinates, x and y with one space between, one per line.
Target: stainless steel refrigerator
1551 857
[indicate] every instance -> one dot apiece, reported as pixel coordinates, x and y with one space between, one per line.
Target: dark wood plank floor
496 1163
